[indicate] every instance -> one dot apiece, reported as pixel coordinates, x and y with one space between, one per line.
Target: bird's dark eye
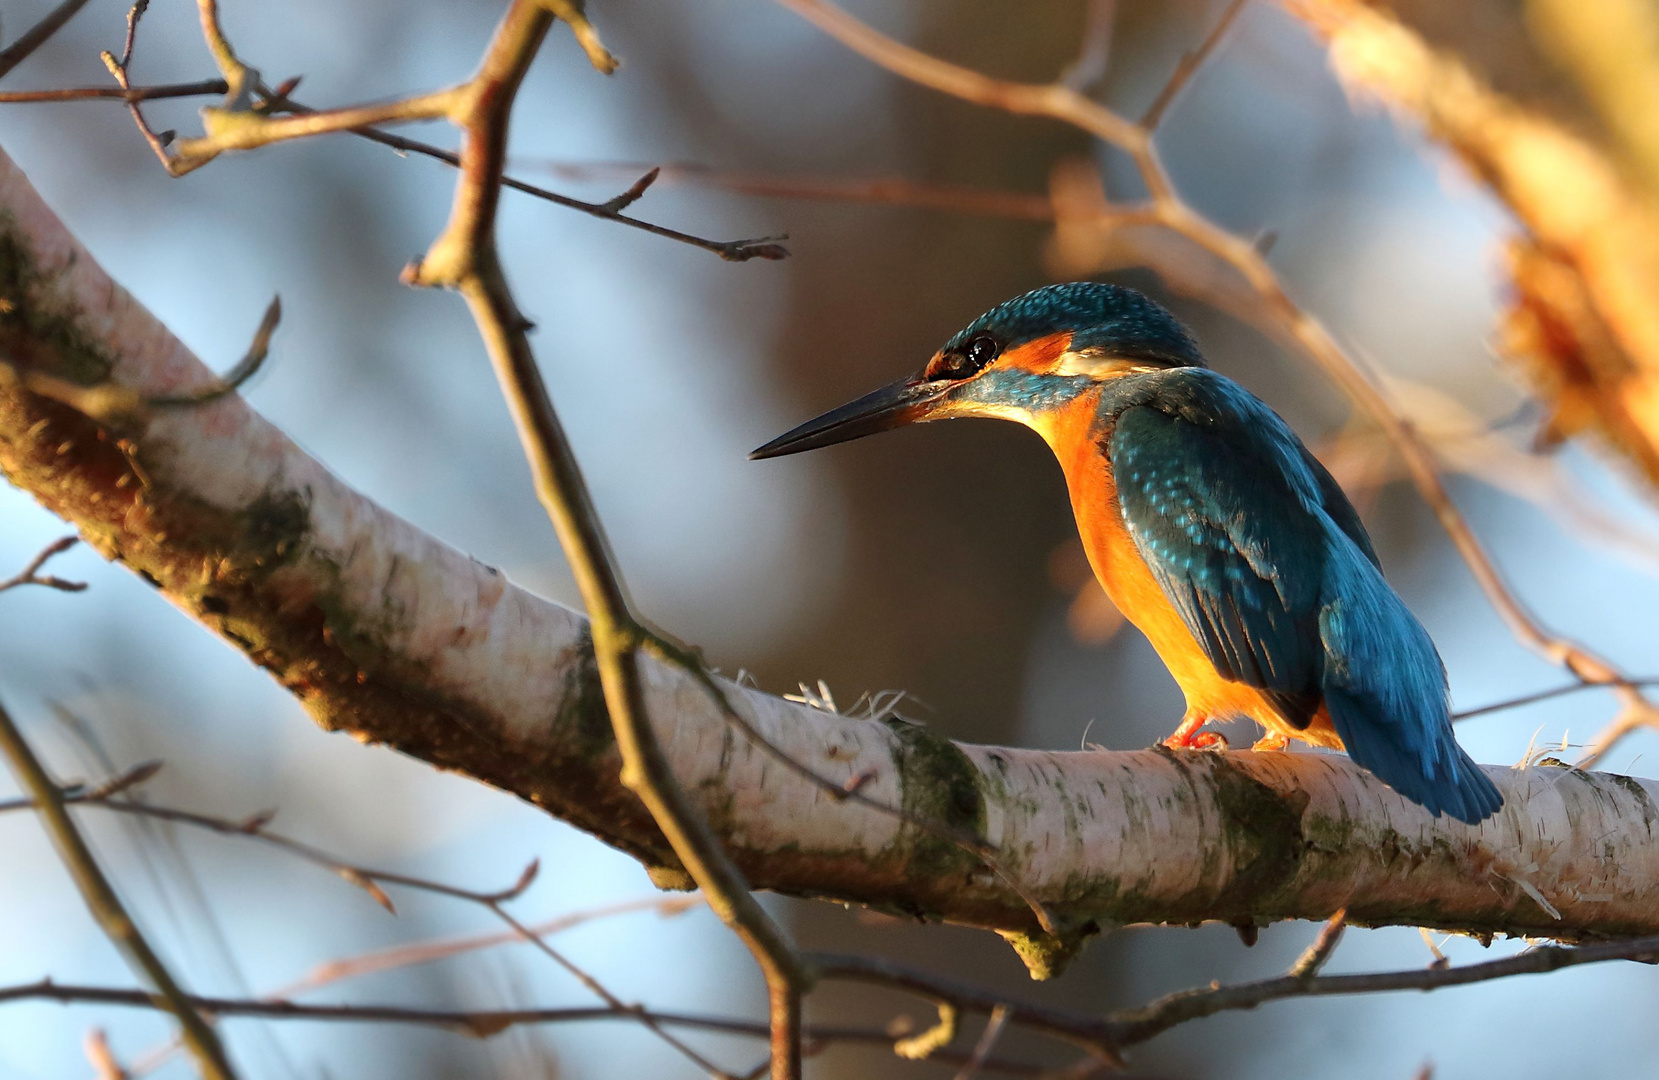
970 359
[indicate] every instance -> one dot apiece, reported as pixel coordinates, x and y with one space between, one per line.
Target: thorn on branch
514 891
354 876
632 195
255 823
115 785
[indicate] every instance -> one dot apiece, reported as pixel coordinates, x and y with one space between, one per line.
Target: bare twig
102 1058
108 401
369 879
106 907
233 379
278 101
1138 1025
426 952
882 190
1095 55
479 1024
730 250
30 575
1552 692
37 35
1275 308
1312 961
464 258
1188 67
128 94
1092 1033
118 70
987 1042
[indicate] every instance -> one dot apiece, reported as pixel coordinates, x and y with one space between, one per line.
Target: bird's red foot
1273 740
1189 737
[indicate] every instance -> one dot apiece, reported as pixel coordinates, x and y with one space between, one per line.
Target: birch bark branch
386 633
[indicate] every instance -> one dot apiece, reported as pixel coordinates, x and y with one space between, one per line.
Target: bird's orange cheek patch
1039 356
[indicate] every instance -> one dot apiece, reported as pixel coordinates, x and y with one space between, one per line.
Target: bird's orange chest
1123 572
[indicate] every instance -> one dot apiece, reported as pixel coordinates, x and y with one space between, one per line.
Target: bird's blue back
1271 570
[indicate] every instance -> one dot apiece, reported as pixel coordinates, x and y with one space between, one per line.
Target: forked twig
31 575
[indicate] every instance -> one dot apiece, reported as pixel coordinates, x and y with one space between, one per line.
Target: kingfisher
1211 527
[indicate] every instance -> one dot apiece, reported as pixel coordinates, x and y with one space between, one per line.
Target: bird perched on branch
1209 524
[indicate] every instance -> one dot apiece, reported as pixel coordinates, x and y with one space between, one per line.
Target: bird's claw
1197 740
1272 741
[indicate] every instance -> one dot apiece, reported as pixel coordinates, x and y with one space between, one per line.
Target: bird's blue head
1025 359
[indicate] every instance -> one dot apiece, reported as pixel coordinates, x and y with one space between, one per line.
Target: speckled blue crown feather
1098 315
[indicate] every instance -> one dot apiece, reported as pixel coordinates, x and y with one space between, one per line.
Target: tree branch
37 35
383 631
464 258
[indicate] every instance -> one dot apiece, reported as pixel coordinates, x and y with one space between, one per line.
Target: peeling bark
388 634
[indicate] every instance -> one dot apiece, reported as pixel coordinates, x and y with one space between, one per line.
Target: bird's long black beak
904 402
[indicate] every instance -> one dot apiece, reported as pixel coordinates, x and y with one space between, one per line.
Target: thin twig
1312 961
1188 67
401 956
369 879
881 190
766 248
233 379
428 951
479 1024
30 575
1138 1025
1552 692
204 88
1095 55
106 907
37 35
1088 1032
117 66
598 989
987 1042
102 1058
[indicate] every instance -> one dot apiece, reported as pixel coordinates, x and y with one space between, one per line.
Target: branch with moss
387 633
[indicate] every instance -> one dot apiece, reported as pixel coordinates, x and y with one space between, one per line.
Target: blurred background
934 560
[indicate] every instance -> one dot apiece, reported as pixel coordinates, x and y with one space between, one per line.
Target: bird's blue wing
1270 569
1224 511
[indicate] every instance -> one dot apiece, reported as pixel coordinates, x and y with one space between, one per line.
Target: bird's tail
1385 690
1427 767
